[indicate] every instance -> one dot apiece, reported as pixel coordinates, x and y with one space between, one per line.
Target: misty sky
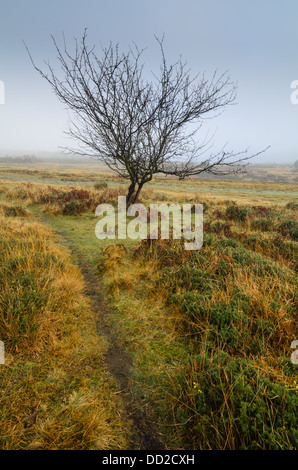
256 40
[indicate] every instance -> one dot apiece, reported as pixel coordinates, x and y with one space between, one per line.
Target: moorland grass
56 392
209 331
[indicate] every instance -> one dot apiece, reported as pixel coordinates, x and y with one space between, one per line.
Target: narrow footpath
143 433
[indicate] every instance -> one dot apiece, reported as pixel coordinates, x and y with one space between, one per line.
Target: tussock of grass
14 210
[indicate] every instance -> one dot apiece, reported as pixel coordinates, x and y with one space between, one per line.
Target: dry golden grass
59 172
205 392
195 382
55 390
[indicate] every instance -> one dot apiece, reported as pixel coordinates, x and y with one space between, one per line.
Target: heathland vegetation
206 335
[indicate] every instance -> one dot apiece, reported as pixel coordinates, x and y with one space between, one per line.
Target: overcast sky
256 40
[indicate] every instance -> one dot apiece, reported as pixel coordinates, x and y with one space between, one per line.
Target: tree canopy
137 127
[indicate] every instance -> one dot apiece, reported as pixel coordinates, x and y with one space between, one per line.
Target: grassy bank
55 391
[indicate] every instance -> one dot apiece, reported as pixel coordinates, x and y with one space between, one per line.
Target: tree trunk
131 191
137 193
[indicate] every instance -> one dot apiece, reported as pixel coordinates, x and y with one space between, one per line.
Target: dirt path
119 362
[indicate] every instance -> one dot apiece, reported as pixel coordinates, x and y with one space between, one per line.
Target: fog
254 41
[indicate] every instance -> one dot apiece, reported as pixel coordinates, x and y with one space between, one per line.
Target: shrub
219 228
73 202
101 185
190 278
73 208
263 224
261 210
235 212
234 406
292 205
110 196
14 211
289 228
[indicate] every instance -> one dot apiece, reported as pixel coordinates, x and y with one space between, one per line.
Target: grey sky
256 40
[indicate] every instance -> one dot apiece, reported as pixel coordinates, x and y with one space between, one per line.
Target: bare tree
136 127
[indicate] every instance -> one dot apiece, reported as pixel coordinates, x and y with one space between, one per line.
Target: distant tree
140 128
296 165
